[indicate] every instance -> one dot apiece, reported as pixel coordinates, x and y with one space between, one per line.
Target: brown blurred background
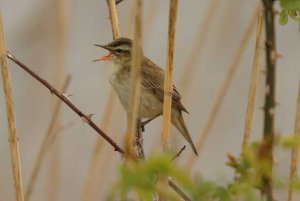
56 38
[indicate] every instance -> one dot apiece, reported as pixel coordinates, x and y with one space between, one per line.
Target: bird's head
119 51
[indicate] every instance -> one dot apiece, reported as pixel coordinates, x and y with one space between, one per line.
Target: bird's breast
149 105
120 82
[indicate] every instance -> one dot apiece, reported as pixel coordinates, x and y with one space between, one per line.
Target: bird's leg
143 123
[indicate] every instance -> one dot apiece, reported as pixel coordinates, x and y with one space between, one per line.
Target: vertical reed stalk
269 107
168 86
50 135
295 151
114 18
100 179
132 151
254 77
169 77
149 18
196 51
63 10
13 138
224 89
94 163
108 113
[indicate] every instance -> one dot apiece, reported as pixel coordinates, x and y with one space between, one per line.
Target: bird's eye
118 50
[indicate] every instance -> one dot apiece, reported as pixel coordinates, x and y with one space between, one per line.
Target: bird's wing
152 78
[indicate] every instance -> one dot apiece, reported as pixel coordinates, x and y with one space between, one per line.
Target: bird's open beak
106 57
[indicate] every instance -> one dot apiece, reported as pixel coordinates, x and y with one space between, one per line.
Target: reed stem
254 77
12 131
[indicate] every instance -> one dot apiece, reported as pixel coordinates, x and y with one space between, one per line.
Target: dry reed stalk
169 77
13 138
132 152
168 86
149 18
95 161
105 167
198 46
114 18
223 90
45 144
52 184
295 151
53 187
254 77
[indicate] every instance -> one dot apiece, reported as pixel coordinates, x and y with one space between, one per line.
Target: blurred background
56 38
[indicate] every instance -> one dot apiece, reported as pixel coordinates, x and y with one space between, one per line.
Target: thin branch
254 77
169 77
178 154
67 102
269 107
178 191
13 138
224 89
295 150
45 144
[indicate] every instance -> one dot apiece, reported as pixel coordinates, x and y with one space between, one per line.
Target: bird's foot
143 123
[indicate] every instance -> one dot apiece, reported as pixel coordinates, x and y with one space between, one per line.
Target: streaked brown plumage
152 85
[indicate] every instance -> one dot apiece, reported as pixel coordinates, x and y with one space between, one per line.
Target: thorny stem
269 107
67 102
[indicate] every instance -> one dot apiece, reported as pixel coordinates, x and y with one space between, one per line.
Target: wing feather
152 78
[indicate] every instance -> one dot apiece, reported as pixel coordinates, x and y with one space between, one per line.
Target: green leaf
294 14
223 194
289 141
290 4
283 18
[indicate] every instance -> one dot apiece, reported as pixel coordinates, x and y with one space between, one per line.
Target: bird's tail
178 122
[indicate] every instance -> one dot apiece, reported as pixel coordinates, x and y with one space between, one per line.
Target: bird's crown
121 42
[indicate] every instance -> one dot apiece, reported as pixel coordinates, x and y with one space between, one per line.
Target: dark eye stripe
119 50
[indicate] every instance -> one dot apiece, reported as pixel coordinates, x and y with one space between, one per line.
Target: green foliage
290 9
290 141
142 178
290 4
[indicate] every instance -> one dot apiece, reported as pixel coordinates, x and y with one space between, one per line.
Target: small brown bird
152 85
